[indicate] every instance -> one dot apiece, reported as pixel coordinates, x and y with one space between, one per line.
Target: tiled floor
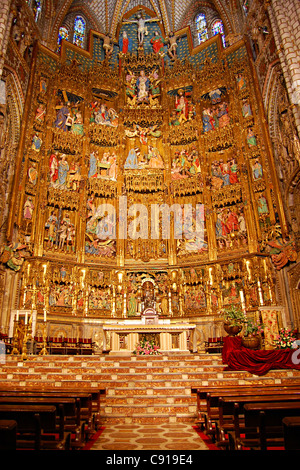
177 436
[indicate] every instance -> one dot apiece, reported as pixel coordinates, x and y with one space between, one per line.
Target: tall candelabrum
24 344
21 336
27 336
44 350
15 350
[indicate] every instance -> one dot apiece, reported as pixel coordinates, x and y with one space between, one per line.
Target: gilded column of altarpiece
146 134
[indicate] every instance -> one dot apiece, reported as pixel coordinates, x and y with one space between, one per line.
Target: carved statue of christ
141 23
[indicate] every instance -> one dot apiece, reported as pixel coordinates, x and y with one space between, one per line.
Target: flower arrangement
252 328
145 348
233 315
285 339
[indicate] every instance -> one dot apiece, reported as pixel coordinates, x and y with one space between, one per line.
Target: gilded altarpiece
108 151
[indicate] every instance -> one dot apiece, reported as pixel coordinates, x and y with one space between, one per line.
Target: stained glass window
201 26
63 33
218 27
79 31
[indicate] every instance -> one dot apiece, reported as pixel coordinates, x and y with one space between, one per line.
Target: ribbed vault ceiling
105 15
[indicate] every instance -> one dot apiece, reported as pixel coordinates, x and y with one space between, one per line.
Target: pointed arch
81 9
195 7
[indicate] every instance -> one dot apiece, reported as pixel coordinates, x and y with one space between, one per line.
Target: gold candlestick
44 351
24 345
15 350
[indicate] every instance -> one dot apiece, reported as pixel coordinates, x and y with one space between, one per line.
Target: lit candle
248 269
270 292
260 293
45 269
210 276
265 268
242 300
83 278
45 315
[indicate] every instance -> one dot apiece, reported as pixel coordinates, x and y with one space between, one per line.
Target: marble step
202 377
107 366
138 389
116 365
148 400
121 358
116 375
151 391
148 419
143 409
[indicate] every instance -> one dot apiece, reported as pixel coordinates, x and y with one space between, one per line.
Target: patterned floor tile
167 436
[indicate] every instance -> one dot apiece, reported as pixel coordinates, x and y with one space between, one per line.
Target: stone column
183 341
165 341
133 339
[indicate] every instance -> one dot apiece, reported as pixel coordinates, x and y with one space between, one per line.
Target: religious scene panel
231 229
100 229
217 113
60 231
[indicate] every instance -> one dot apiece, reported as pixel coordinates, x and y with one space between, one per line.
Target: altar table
123 338
258 362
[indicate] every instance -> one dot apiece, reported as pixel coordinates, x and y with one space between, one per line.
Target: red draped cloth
258 362
230 343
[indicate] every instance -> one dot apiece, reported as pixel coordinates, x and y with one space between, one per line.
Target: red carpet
93 439
207 441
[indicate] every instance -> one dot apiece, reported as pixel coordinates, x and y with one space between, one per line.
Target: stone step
139 389
106 367
132 376
147 419
142 409
149 400
151 391
111 365
99 382
120 357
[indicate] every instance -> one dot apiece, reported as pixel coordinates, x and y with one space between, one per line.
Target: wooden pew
210 395
94 392
88 408
35 424
267 420
208 414
231 413
78 422
8 435
68 412
291 432
89 404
